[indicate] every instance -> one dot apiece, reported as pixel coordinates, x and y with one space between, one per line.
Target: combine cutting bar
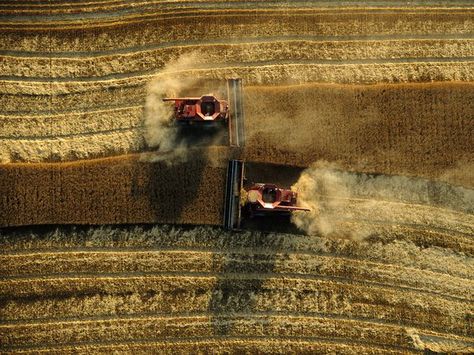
232 212
236 121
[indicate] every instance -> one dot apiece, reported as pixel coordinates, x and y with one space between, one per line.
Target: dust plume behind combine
356 206
159 129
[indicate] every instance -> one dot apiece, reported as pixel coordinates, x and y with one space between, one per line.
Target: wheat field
108 244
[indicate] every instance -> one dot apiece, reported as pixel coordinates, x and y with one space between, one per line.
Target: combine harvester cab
256 199
209 110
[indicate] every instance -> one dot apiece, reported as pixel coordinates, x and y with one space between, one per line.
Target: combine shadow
171 180
240 282
247 261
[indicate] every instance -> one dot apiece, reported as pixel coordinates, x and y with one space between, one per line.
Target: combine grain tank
254 199
196 110
212 110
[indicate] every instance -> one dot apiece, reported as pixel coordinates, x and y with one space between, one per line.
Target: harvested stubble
190 288
407 288
264 51
227 24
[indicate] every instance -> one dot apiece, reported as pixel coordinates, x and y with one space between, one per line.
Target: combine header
211 110
254 199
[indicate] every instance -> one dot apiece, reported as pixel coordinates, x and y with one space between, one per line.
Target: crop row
79 263
207 52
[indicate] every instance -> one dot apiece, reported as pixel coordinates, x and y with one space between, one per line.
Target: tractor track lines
68 255
46 283
379 70
144 9
154 72
362 315
202 314
205 322
398 336
54 137
235 41
114 21
280 263
216 341
304 51
286 250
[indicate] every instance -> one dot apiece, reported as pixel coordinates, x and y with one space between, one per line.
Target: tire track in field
145 9
210 52
278 62
20 335
23 54
208 344
264 74
206 262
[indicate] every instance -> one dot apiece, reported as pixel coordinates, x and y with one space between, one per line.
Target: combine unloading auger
254 199
211 110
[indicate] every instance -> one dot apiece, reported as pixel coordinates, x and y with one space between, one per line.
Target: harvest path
375 86
201 288
74 77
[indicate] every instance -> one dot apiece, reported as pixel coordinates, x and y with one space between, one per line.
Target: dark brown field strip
124 10
108 20
123 190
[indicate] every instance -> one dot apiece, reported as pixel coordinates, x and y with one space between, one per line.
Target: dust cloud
160 132
356 205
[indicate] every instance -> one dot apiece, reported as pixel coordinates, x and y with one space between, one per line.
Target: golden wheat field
110 222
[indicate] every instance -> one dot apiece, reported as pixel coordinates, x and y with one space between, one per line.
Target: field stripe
278 302
245 344
123 329
38 54
80 264
26 286
159 8
142 73
143 18
323 73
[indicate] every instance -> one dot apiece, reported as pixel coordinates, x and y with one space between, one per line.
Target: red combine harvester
195 110
258 199
262 199
211 110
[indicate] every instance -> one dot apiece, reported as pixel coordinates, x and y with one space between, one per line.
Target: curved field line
143 9
361 314
272 249
55 137
113 4
218 342
107 22
234 41
43 280
255 314
389 307
205 325
291 51
58 114
154 72
283 263
246 71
